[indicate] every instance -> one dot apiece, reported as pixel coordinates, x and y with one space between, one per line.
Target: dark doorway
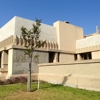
82 56
90 56
86 56
75 57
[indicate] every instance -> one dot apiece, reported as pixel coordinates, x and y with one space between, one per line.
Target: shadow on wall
65 79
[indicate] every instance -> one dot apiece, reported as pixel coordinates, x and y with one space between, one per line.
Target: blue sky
83 13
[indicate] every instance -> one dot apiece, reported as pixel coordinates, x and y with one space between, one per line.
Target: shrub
23 79
2 82
14 80
8 81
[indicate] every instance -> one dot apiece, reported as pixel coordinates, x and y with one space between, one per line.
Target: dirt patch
23 95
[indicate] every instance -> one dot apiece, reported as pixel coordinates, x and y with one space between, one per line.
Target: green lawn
46 92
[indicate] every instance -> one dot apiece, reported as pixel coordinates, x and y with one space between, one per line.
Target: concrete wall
83 74
88 42
47 32
18 62
21 61
8 29
13 27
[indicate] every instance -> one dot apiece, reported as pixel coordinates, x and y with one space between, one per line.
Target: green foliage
31 37
36 58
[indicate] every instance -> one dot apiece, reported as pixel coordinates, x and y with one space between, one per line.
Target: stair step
4 69
3 72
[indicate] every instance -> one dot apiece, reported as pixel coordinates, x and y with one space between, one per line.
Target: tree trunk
29 78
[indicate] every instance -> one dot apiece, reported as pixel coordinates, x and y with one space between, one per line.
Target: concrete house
65 50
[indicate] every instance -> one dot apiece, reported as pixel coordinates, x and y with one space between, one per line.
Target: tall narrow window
51 56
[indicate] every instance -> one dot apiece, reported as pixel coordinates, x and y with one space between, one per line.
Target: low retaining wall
80 74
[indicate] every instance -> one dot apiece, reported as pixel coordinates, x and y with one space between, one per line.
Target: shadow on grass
45 86
33 90
50 86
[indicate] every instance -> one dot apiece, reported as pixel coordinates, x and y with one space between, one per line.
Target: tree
32 41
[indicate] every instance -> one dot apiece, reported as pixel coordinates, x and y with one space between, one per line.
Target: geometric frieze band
15 40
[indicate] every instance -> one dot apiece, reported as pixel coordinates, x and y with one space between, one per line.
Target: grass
46 92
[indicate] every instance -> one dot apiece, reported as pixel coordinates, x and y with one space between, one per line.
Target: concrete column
4 59
79 57
10 62
55 57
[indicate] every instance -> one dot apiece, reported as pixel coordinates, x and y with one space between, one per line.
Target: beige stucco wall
4 59
96 55
64 57
79 33
67 35
83 74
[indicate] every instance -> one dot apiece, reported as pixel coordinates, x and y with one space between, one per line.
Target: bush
14 80
23 79
2 82
8 81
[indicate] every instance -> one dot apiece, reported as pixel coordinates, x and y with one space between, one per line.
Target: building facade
64 43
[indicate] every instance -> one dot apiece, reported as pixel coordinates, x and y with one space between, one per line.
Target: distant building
65 43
